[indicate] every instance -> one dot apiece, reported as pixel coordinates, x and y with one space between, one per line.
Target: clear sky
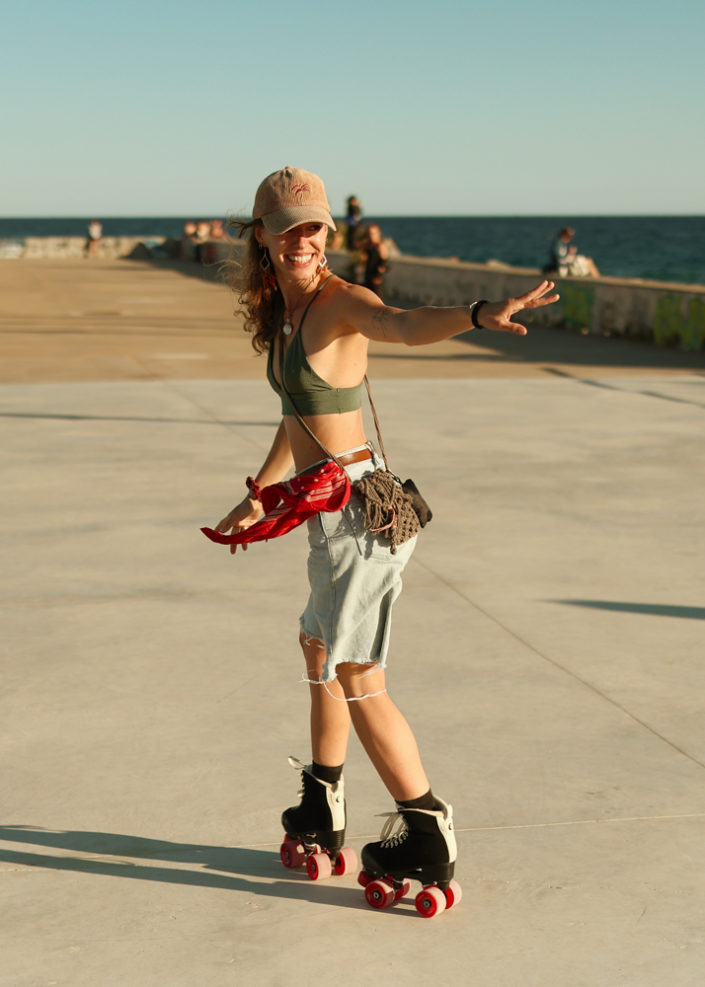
505 107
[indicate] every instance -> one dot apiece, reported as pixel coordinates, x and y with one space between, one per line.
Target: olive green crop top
311 394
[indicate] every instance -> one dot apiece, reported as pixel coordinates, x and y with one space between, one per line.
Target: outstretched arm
419 326
275 467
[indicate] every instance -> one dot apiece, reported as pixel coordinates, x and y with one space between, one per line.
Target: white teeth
300 258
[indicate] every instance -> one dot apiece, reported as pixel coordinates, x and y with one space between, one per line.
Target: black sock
324 773
426 801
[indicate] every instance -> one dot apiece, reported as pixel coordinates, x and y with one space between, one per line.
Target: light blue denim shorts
354 580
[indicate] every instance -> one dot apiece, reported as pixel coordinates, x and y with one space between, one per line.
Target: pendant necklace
288 327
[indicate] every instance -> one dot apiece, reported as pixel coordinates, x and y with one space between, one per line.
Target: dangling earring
323 262
270 281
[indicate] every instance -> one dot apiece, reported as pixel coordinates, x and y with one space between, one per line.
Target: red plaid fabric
287 505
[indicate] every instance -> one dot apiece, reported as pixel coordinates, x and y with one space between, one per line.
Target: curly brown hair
258 295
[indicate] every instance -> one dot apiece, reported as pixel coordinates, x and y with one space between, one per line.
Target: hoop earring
264 261
323 262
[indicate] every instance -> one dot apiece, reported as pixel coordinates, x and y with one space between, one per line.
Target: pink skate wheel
319 866
363 879
345 862
292 853
453 894
431 901
379 894
402 892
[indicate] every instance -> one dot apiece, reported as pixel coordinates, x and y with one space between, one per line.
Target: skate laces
395 829
299 765
304 769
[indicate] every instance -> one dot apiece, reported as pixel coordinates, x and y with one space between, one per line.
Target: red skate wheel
292 853
431 901
379 894
363 879
319 866
345 862
402 892
453 894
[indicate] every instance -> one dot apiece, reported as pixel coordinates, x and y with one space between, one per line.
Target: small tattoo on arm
379 320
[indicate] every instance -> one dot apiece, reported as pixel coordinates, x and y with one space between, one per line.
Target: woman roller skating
316 329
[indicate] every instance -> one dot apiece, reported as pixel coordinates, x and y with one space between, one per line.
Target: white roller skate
421 847
315 829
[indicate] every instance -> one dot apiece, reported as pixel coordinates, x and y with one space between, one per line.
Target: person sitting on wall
565 261
203 235
94 238
188 241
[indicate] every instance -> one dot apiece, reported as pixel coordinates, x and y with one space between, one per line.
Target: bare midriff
338 433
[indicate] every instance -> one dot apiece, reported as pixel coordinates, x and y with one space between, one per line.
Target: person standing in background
353 217
376 254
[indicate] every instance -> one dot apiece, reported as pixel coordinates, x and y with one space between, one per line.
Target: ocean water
664 248
661 248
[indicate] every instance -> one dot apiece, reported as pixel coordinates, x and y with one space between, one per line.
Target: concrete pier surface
547 650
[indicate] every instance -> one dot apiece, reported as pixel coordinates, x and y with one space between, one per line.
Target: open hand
246 513
498 315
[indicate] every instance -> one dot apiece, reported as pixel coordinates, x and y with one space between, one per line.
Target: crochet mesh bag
389 509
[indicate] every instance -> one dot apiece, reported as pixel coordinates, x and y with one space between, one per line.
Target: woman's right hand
247 513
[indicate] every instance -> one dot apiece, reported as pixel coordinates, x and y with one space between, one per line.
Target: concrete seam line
562 668
510 826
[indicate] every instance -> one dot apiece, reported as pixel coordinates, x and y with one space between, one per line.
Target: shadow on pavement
556 345
227 868
649 609
62 416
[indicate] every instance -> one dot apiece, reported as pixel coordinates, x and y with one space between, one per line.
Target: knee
361 681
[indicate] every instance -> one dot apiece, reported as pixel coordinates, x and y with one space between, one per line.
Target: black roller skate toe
421 847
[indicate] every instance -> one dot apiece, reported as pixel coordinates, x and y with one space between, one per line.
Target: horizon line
376 215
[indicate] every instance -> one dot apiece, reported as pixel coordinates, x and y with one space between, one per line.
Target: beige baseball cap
289 197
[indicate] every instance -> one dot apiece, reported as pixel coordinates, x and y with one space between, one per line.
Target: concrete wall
667 314
45 247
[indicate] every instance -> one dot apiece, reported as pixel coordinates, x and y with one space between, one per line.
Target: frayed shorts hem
329 673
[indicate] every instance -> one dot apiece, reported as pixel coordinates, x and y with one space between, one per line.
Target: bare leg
383 730
330 717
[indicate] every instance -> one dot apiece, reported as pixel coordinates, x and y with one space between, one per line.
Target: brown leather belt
355 457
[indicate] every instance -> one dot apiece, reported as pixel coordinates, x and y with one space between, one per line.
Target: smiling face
296 255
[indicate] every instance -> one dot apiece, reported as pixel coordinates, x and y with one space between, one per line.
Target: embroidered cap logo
299 191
